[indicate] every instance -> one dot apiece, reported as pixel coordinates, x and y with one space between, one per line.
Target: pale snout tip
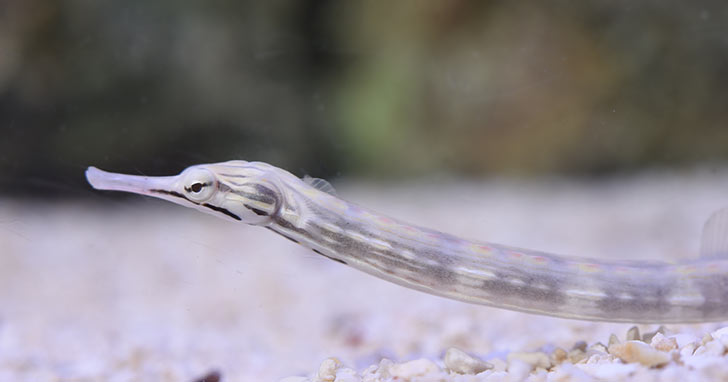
94 177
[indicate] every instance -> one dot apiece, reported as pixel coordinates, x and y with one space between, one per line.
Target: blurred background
360 89
595 128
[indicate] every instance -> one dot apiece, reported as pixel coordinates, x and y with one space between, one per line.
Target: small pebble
714 366
722 336
647 337
598 358
498 364
688 350
638 351
559 355
633 334
724 340
581 345
347 375
706 338
685 339
460 362
576 356
662 343
411 369
714 347
608 371
518 370
327 370
720 332
570 373
378 372
613 339
598 347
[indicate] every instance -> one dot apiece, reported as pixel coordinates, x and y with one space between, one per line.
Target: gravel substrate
137 290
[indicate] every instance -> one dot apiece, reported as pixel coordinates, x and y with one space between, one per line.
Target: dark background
363 89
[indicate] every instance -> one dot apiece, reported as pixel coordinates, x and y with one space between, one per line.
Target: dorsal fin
714 242
320 185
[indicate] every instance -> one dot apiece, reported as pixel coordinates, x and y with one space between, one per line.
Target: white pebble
518 370
609 371
411 369
720 332
347 375
706 338
688 350
613 339
558 356
662 343
721 335
714 347
539 375
633 334
460 362
577 355
712 364
499 364
647 337
568 372
598 348
684 339
379 372
640 352
327 370
598 358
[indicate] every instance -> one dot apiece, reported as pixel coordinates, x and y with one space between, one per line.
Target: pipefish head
235 190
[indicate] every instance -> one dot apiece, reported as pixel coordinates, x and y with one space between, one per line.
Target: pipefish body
307 212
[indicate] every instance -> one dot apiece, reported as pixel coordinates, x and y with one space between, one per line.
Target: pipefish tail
307 212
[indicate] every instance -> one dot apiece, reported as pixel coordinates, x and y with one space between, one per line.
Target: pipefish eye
199 184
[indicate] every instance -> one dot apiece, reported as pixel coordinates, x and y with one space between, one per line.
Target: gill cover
256 200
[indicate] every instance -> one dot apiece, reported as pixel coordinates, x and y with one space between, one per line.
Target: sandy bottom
138 290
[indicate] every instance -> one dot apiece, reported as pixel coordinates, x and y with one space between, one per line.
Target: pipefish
308 212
